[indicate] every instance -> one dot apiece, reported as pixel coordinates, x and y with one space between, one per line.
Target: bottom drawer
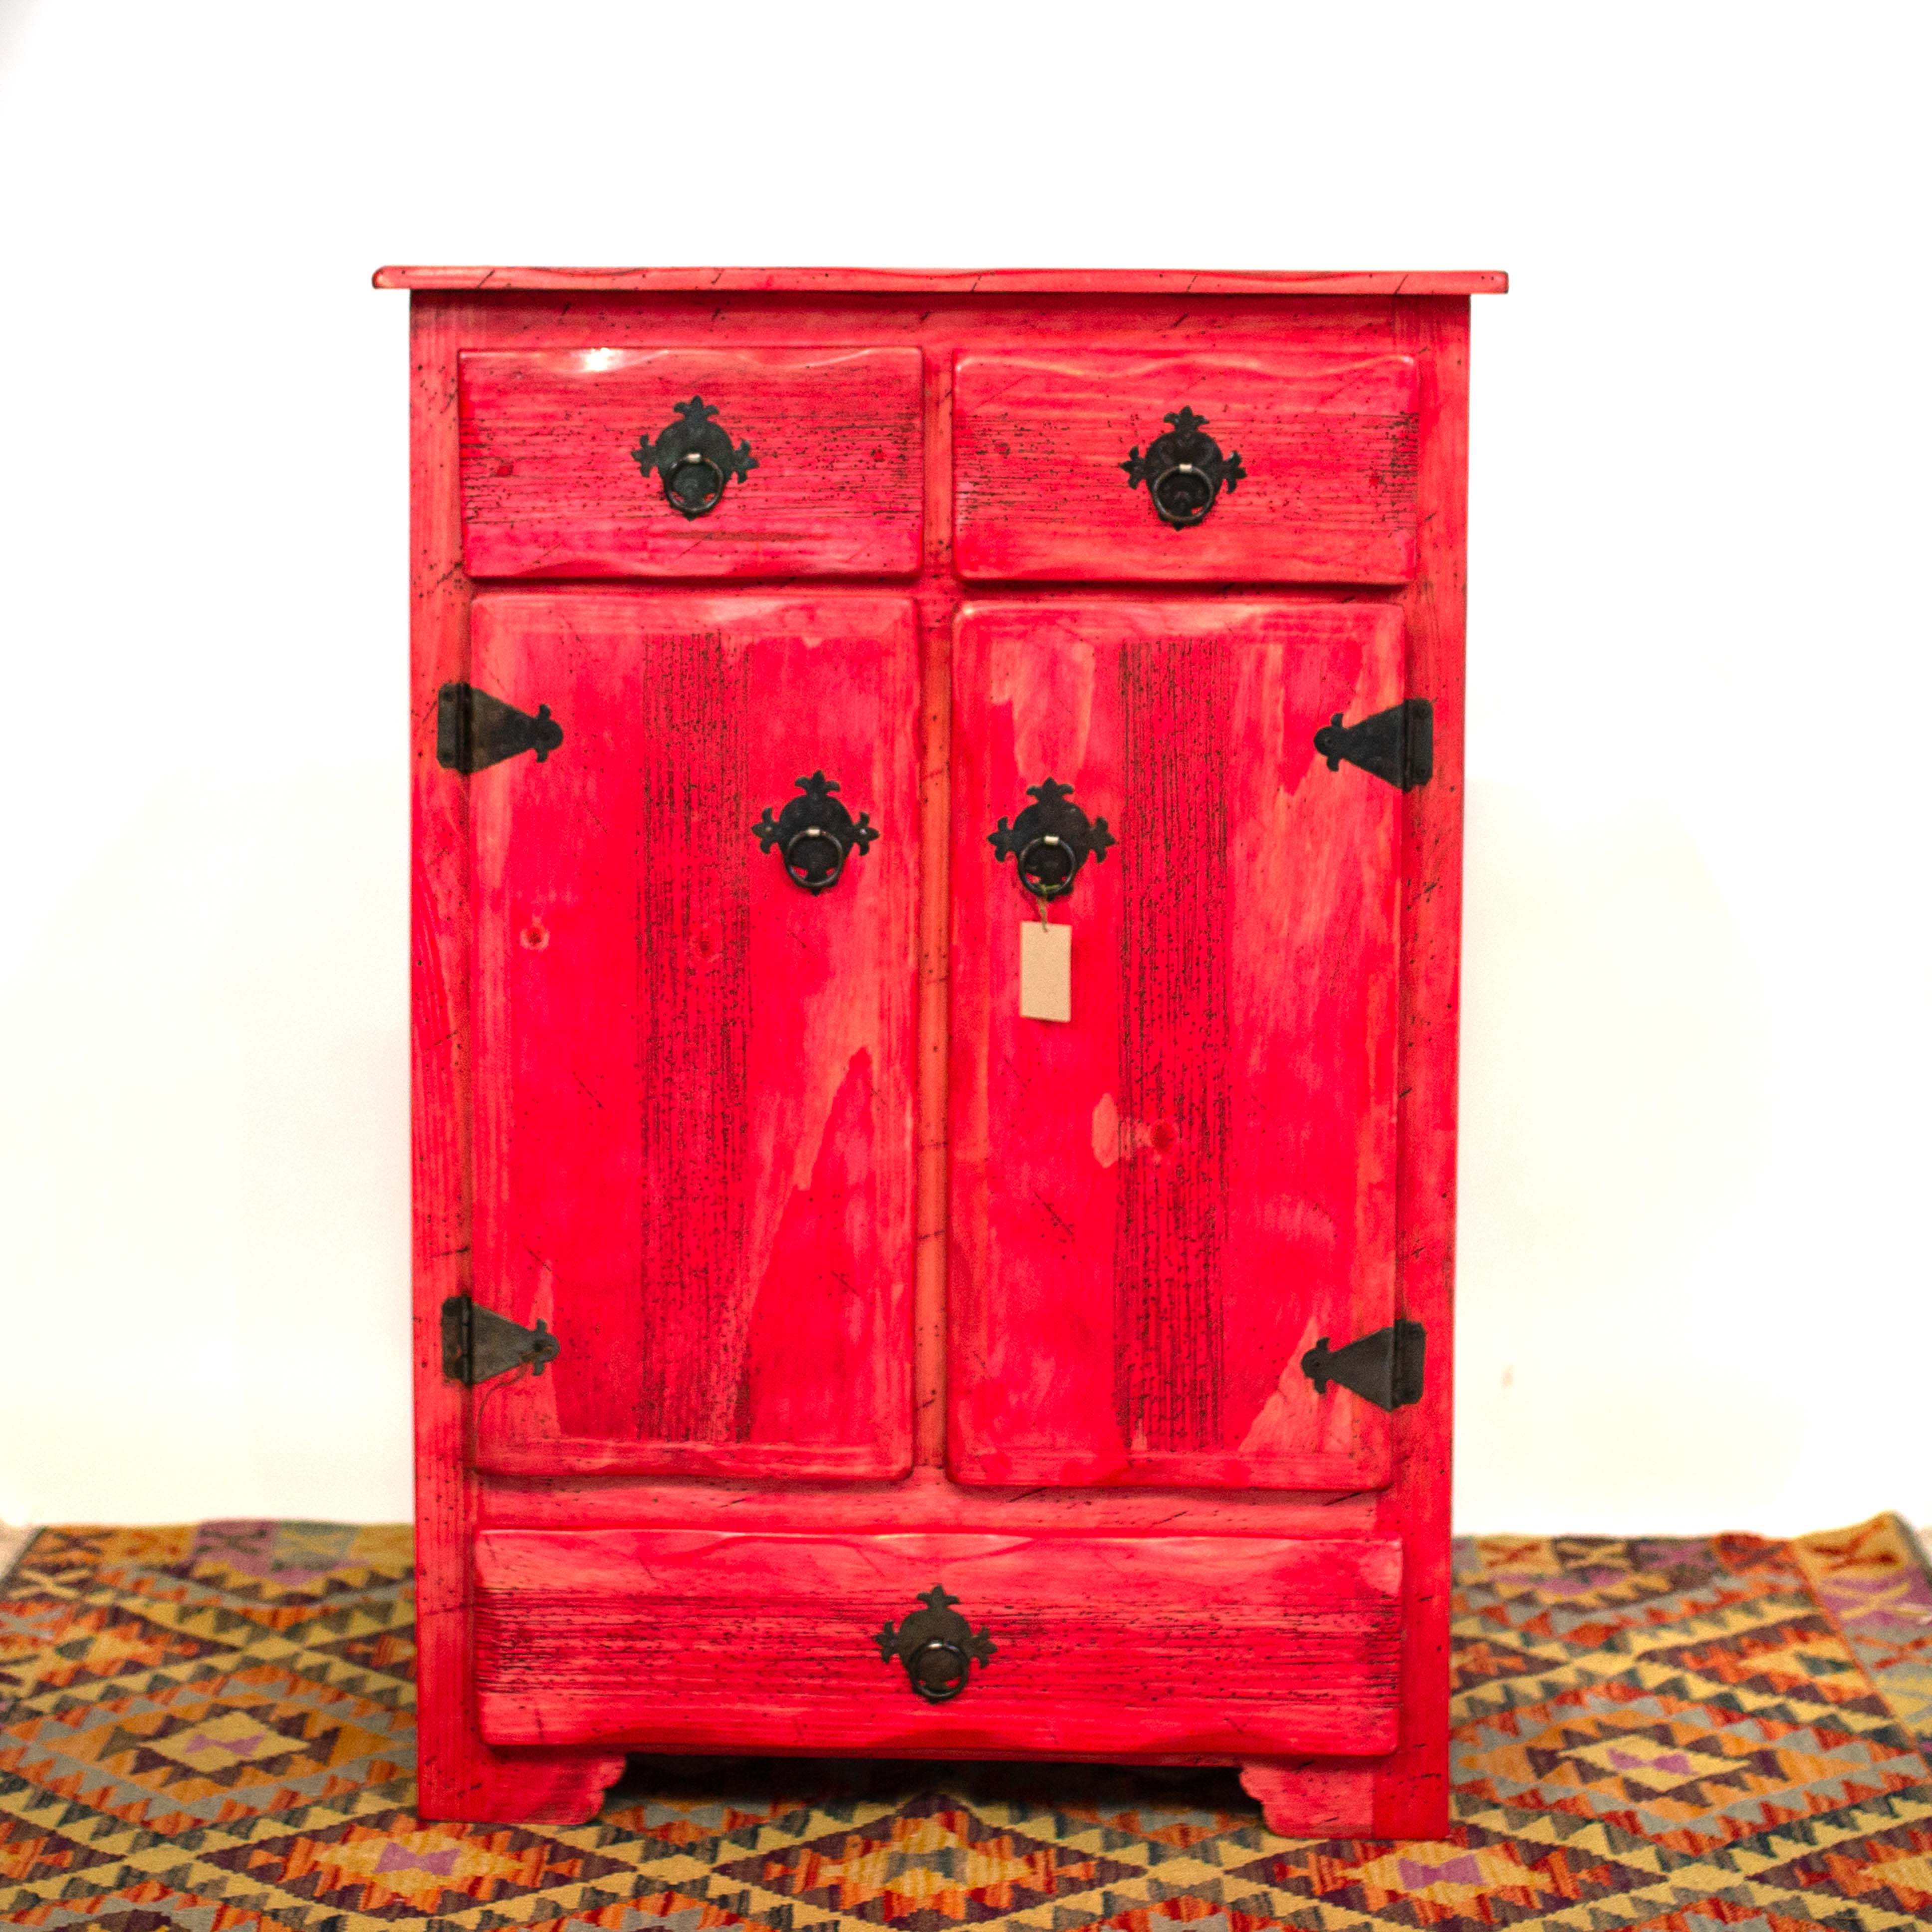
1101 1646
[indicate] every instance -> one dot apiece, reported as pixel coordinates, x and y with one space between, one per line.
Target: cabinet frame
1404 1794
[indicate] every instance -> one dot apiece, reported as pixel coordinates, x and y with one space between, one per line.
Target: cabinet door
692 1077
1162 1203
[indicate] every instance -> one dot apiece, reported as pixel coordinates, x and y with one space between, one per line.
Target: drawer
1293 466
690 462
1150 1645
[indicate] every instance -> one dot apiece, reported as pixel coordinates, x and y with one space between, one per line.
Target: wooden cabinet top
960 281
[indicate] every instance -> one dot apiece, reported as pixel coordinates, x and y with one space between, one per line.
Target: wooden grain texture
1328 442
458 1776
551 488
937 600
1159 1207
667 1639
958 281
926 1499
694 1104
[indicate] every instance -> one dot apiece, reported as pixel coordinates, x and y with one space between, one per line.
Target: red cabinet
937 825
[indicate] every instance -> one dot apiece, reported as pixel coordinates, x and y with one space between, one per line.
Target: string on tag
1039 901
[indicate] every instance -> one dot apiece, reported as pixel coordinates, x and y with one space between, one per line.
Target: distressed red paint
552 486
861 1283
693 1106
1190 1182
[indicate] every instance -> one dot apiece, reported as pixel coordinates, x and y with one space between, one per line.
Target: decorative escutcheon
694 459
814 834
1050 840
1184 469
937 1645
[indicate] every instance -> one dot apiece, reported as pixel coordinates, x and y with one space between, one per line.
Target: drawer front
1287 467
690 462
1157 1645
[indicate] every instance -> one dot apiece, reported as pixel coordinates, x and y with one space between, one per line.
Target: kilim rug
210 1727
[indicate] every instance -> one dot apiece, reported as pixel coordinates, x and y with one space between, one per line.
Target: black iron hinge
479 1343
474 730
1397 745
1385 1368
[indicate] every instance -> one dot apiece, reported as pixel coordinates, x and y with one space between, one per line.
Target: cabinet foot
1312 1798
534 1787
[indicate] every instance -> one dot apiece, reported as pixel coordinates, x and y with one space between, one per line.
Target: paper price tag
1046 971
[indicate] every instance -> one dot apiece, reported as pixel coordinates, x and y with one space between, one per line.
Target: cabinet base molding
482 1786
1300 1798
1312 1798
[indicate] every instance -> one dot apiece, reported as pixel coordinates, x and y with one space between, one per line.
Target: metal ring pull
693 459
1184 470
1183 494
824 859
815 835
688 493
1050 840
1046 865
937 1646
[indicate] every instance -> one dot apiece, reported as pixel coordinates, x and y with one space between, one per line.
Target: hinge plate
1397 745
474 730
479 1343
1385 1368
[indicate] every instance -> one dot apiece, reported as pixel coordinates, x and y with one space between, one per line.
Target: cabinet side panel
458 1776
1412 1797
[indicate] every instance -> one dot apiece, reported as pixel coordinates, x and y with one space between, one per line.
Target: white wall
1694 1276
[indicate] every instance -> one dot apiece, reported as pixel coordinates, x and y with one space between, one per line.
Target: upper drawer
690 462
1294 467
669 1639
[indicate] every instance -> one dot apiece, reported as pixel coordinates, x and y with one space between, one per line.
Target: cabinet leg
482 1786
1312 1798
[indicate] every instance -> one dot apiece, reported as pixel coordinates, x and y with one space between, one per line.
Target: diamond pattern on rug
1890 1870
148 1906
1474 1878
929 1864
389 1866
212 1729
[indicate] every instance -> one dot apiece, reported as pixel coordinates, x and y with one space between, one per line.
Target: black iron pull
474 730
1050 840
814 835
1397 745
693 459
937 1645
1385 1368
1184 469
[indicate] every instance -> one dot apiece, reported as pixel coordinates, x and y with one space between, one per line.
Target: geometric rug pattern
209 1727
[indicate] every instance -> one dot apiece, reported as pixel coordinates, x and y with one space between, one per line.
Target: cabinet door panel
1160 1205
692 1079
